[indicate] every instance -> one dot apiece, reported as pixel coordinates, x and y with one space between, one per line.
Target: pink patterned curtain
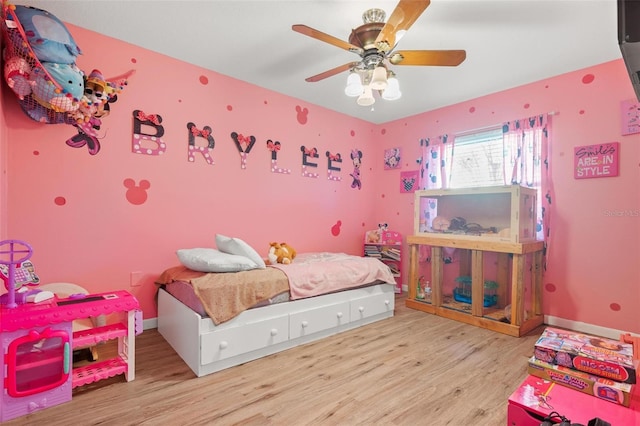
435 170
526 150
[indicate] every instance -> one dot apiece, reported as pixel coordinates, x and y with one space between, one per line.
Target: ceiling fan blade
402 17
449 58
331 72
319 35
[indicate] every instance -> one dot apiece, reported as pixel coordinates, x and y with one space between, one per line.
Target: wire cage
462 292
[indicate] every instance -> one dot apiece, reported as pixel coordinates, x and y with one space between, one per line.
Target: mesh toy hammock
36 83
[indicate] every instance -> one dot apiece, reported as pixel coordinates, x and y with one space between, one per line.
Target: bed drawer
365 307
318 319
232 341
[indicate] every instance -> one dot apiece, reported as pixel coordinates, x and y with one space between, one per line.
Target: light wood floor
412 369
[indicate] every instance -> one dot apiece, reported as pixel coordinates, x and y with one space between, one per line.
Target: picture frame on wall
596 161
409 181
392 158
629 117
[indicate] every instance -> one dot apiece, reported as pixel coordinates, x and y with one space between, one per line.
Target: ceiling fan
375 41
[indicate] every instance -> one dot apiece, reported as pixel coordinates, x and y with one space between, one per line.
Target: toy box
618 393
536 398
610 359
498 213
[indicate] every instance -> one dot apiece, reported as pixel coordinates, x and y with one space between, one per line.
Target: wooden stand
471 264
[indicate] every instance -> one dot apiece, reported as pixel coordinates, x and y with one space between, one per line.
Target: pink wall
88 227
593 274
73 208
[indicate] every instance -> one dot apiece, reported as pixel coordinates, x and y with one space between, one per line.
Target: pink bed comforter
312 274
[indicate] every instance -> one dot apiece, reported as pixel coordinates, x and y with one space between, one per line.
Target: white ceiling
508 43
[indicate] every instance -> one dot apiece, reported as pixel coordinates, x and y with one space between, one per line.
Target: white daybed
207 348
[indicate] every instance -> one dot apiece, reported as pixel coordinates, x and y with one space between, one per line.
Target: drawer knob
305 324
223 344
361 308
339 314
386 302
274 331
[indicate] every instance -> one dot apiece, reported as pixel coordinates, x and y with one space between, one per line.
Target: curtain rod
493 126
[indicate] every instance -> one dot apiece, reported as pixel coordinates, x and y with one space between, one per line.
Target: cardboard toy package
616 392
598 356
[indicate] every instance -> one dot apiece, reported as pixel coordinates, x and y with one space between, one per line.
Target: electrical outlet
135 279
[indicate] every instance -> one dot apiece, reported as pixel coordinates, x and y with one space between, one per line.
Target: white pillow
238 247
212 260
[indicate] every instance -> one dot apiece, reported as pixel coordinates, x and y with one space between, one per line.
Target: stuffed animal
373 236
280 253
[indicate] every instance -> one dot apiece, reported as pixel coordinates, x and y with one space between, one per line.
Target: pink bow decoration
151 117
196 132
273 146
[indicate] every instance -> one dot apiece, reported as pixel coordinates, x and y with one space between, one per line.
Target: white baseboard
553 321
583 327
150 323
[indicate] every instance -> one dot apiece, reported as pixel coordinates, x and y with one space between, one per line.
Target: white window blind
478 159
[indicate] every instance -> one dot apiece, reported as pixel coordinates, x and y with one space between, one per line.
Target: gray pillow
212 260
238 247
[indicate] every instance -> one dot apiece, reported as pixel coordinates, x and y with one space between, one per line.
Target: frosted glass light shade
354 85
392 92
379 79
366 98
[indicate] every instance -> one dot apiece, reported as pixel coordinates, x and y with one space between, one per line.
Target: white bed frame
255 333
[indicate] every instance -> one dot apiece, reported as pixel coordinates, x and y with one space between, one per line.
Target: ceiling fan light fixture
366 98
354 85
379 78
373 15
392 92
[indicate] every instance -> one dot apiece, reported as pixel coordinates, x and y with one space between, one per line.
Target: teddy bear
280 253
373 236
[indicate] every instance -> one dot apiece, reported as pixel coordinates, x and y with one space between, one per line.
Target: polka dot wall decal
335 229
229 108
383 131
472 109
60 201
134 61
382 195
352 133
581 112
136 194
550 287
526 106
302 114
266 102
204 79
546 86
36 152
363 224
588 78
615 307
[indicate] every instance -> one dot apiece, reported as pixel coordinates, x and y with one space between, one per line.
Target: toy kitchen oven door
37 363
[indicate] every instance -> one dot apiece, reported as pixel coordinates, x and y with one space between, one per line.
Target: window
478 159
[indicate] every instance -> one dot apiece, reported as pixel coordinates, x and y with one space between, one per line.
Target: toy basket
36 83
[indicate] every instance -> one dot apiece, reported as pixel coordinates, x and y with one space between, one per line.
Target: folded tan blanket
224 295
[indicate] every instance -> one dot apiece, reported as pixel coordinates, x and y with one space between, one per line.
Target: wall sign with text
595 161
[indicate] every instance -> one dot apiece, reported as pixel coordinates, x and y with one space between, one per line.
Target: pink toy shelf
387 246
37 338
